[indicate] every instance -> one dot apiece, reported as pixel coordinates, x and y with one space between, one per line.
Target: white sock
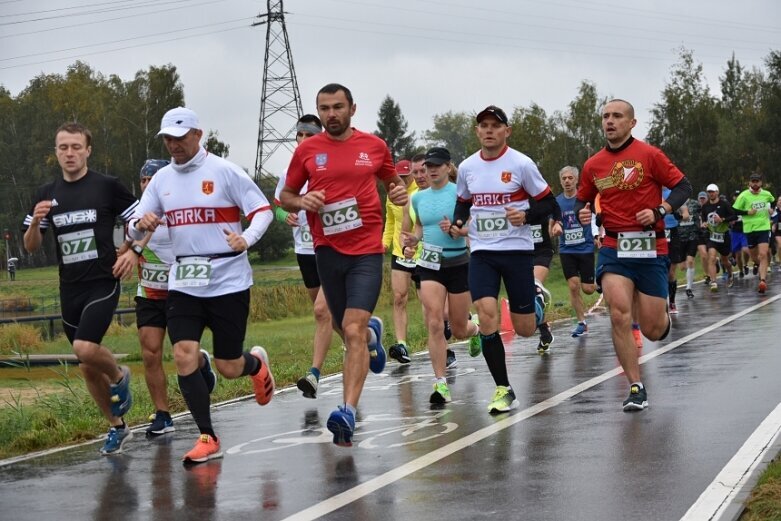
689 277
372 337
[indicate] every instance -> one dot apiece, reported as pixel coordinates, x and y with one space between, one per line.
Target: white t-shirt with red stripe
507 181
200 200
302 235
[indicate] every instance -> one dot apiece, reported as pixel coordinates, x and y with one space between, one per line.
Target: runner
345 216
716 214
499 190
542 230
689 231
402 269
202 197
755 205
576 249
308 125
442 267
155 258
702 238
674 252
633 264
80 207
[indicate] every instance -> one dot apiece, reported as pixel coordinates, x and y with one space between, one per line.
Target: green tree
215 146
767 132
454 131
392 127
278 239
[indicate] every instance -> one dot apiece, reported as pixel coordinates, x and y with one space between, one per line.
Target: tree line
713 137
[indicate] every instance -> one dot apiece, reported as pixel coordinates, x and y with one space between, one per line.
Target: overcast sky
431 56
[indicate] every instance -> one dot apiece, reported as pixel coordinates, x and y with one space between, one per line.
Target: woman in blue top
442 266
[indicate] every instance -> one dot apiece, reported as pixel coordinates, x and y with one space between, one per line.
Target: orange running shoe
206 448
638 338
762 286
263 382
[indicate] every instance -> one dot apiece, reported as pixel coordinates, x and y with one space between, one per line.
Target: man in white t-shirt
203 197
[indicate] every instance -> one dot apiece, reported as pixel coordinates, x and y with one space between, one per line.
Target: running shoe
162 423
121 398
115 440
745 270
539 309
342 424
707 280
755 269
740 272
638 336
451 360
580 330
206 448
637 400
546 339
762 286
307 384
263 381
376 351
441 394
673 308
689 293
208 373
714 287
399 353
546 296
730 280
448 331
503 400
475 346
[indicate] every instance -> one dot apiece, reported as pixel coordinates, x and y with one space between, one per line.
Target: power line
109 10
67 8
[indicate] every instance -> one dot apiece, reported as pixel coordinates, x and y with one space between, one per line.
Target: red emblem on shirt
207 187
507 177
627 174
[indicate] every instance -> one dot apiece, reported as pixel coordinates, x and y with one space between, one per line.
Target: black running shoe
451 359
689 293
637 400
755 269
546 338
399 353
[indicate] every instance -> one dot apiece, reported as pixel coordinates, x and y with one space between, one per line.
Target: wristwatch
137 249
661 211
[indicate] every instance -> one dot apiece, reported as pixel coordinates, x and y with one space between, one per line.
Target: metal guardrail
51 318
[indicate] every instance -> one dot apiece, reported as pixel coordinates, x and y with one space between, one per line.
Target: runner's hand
41 210
292 219
235 241
148 223
409 239
515 216
584 215
125 265
398 194
312 201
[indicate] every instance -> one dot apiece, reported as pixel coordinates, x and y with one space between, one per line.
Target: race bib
407 263
758 206
717 237
154 276
536 230
193 272
306 237
78 246
637 245
431 256
340 216
492 225
574 236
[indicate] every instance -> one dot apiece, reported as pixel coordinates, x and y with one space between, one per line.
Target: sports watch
137 249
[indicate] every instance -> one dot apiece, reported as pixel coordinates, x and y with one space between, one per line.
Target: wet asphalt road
567 453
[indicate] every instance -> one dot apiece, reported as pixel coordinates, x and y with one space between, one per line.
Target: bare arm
33 236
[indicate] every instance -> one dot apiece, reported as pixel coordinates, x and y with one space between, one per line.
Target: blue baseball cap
151 166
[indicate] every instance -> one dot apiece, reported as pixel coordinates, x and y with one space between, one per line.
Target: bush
19 338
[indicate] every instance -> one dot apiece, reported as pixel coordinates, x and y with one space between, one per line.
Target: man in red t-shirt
345 217
632 267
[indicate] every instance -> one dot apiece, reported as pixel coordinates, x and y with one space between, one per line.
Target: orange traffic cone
506 323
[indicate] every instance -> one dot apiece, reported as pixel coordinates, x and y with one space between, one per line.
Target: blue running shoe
376 351
342 424
539 309
115 440
208 373
580 330
162 423
121 399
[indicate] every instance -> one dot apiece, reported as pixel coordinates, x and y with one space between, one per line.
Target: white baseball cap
178 122
712 188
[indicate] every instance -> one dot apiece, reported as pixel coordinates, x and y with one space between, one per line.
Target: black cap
437 156
755 177
493 110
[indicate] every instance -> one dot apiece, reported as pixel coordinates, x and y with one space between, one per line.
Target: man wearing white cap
717 214
203 197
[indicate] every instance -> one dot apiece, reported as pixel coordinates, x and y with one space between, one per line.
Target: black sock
251 365
672 286
196 395
493 351
164 414
544 327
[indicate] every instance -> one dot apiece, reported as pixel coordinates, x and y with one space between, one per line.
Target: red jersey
628 180
351 220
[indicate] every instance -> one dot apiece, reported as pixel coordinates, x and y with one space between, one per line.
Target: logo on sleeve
207 187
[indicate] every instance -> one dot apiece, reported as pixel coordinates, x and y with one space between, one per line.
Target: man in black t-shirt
80 208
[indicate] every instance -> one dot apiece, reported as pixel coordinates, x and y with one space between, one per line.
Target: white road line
364 489
722 491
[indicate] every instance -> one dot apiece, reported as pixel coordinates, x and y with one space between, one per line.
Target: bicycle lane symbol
368 432
385 382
